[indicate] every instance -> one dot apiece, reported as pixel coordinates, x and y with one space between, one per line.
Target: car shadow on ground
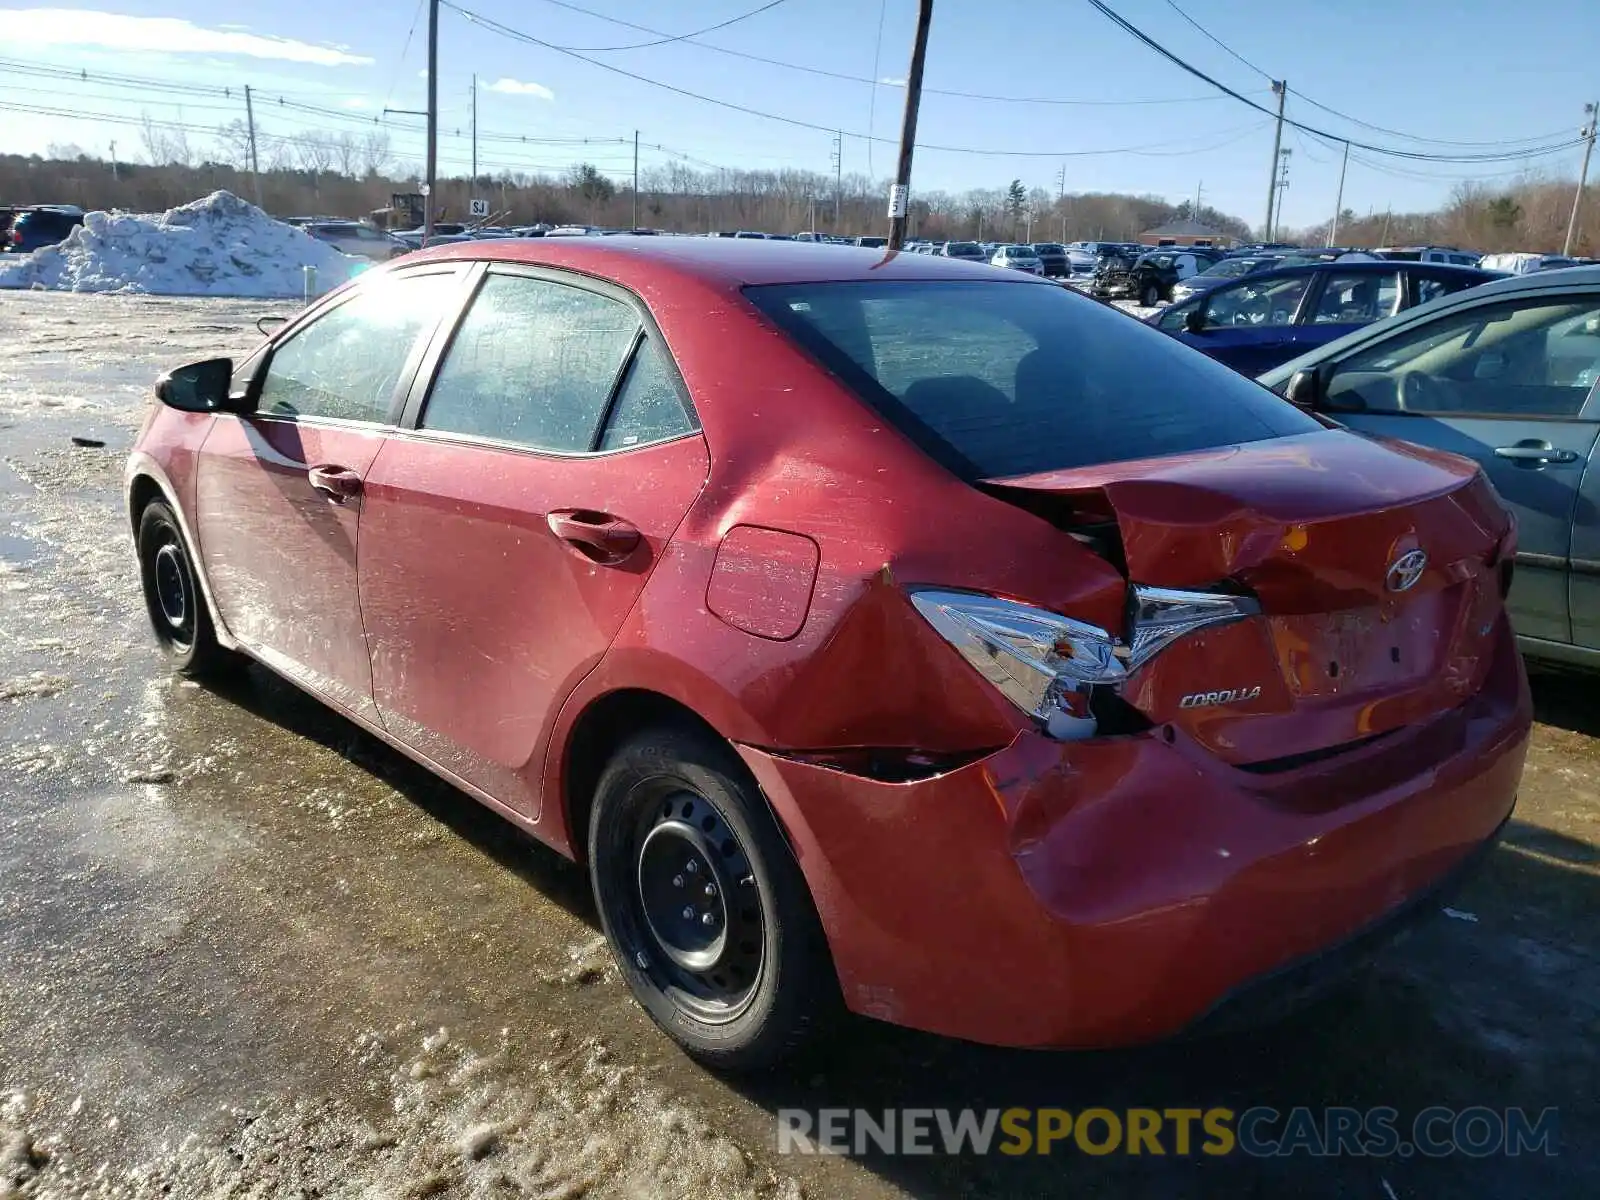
1464 1012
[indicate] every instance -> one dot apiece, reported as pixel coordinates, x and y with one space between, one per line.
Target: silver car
1017 258
362 241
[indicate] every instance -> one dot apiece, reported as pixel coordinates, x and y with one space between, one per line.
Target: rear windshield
995 379
963 248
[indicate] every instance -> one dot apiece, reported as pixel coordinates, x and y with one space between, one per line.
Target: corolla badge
1226 696
1404 571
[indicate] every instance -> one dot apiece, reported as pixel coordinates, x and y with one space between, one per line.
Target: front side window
1001 379
347 362
1357 298
1255 303
1537 357
534 362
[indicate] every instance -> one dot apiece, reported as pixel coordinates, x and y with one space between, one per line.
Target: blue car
1265 319
1509 376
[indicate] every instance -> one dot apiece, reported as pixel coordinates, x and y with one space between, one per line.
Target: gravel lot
246 950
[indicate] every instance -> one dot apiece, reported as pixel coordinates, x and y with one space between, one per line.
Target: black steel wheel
176 606
1150 295
705 908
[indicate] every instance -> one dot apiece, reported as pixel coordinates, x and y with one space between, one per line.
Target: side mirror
1194 321
1304 390
198 387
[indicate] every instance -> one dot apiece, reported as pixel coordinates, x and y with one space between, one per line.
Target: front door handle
1532 452
597 536
337 483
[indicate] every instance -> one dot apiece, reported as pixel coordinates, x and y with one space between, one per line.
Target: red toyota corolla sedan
882 629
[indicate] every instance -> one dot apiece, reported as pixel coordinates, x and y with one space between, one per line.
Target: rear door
1344 302
1510 384
279 493
512 525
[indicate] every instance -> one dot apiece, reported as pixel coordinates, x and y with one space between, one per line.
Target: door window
534 362
649 406
1538 357
1255 303
1431 287
1357 298
345 363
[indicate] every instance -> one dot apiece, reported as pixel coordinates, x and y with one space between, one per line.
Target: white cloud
84 27
892 81
515 87
356 102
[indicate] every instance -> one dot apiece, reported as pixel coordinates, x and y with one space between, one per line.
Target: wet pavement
245 949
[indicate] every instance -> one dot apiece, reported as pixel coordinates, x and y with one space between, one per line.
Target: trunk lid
1375 566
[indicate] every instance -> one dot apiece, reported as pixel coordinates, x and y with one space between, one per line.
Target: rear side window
534 362
649 407
1000 379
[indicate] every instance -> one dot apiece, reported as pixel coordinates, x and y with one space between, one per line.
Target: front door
279 492
507 536
1509 384
1249 325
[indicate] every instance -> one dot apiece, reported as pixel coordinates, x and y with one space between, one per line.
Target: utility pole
636 179
114 161
1283 185
250 124
1280 88
472 192
838 178
900 193
1199 187
1061 199
1338 202
431 185
1590 111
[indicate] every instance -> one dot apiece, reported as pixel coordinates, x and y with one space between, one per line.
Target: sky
1433 74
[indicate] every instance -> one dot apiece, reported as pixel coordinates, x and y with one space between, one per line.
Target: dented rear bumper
1112 891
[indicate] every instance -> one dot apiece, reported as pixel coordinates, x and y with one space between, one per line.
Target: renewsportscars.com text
1260 1132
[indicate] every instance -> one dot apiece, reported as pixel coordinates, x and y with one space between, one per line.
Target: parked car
1430 254
1257 322
1525 264
362 241
1085 761
872 243
1084 257
34 228
970 251
1235 266
1017 258
1053 259
1507 374
1151 277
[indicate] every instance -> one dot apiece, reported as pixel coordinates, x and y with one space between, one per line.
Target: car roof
1364 266
1565 279
720 262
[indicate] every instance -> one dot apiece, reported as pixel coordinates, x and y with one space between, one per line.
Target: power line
666 39
1268 76
518 35
840 75
394 76
1139 35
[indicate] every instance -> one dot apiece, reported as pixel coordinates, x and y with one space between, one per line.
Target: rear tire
703 903
177 607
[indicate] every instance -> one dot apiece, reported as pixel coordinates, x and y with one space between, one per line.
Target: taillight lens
1044 663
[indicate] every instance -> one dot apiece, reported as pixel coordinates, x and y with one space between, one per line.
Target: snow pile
219 246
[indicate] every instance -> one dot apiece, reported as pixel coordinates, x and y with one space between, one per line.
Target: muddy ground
247 950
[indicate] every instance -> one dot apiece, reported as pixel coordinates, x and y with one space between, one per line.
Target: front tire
177 607
1150 295
703 903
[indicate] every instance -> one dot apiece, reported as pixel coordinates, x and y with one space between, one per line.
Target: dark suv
38 227
1151 278
1053 258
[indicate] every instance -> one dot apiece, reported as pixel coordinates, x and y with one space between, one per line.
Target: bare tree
345 152
375 152
165 144
314 152
233 143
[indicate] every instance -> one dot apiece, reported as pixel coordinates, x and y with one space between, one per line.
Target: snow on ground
218 246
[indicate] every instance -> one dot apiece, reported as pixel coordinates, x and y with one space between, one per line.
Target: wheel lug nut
691 866
711 890
677 881
688 914
708 919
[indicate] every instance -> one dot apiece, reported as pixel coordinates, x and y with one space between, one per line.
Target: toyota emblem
1404 571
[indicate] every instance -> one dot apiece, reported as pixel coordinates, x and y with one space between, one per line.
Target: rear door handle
337 483
597 536
1534 453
